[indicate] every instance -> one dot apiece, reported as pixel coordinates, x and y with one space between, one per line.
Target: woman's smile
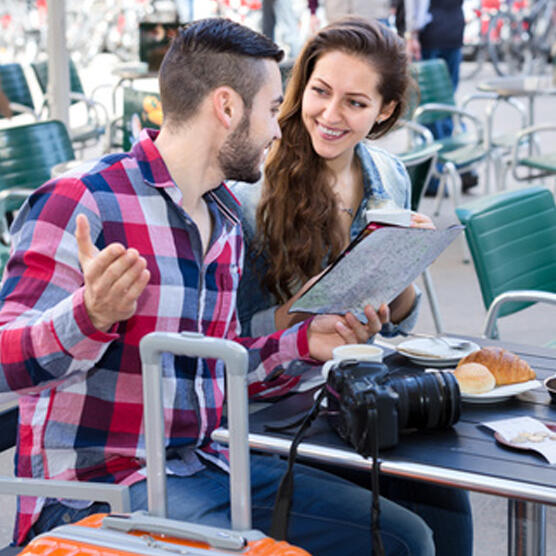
331 133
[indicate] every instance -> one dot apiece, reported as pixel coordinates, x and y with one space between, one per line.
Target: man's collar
155 173
150 162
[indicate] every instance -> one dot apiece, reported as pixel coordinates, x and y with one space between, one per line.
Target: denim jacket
384 177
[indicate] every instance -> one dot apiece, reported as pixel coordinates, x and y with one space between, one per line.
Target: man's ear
227 106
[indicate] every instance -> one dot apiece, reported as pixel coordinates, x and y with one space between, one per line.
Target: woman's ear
227 106
386 111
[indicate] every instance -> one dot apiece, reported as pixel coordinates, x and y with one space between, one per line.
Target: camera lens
427 401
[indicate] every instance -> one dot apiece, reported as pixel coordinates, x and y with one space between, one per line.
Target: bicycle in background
520 36
515 35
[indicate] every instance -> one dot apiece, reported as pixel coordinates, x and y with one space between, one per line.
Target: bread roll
506 366
474 378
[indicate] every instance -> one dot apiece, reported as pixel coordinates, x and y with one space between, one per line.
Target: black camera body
361 395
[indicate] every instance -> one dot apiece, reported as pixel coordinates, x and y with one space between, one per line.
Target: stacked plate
436 352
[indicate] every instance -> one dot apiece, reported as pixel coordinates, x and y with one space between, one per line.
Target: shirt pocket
227 280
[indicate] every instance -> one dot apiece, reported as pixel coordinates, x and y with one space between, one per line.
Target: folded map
374 269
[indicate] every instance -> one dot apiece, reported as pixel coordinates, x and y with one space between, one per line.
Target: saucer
434 353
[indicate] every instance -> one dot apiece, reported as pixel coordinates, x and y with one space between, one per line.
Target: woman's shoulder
246 192
378 156
384 171
248 196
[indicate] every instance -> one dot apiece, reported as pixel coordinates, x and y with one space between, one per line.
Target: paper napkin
527 433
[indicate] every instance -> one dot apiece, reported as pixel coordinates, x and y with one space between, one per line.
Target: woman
348 84
320 177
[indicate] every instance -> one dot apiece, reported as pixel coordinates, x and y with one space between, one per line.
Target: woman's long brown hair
297 218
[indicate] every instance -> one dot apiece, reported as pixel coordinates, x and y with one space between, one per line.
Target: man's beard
239 159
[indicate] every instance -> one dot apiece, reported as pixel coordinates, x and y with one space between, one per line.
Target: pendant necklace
348 210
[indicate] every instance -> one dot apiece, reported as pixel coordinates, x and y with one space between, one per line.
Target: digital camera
360 391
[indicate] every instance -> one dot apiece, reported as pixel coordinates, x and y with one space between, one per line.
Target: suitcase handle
235 358
141 521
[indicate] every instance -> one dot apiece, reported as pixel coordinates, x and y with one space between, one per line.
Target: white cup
360 352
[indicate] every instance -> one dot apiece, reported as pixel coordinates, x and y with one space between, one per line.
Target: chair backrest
40 70
435 86
15 86
28 153
512 240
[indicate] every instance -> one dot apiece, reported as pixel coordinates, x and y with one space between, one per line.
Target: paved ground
462 312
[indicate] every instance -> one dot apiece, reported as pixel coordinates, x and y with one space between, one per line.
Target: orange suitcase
152 532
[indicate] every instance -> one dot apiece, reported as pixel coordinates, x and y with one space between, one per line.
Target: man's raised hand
114 278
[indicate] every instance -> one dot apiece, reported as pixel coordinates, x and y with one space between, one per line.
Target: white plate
501 393
434 353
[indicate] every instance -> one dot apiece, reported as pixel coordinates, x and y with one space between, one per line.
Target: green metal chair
16 89
512 240
27 155
465 149
93 129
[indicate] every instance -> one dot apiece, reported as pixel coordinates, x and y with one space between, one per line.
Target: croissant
506 366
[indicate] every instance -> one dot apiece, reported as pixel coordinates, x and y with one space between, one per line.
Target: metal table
529 86
465 456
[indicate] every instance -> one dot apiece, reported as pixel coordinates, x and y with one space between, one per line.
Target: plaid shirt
81 400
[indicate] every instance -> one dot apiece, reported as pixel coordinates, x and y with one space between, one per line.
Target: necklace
348 210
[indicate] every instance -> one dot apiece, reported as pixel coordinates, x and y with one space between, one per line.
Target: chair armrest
16 107
539 128
93 106
432 107
520 142
418 129
509 297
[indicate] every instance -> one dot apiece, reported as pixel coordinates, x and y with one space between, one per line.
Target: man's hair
211 53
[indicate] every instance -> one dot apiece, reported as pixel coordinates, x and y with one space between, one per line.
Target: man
141 241
434 29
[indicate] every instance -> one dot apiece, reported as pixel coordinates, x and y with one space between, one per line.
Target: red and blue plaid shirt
81 413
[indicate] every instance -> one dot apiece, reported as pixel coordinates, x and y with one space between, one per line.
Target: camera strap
372 426
282 504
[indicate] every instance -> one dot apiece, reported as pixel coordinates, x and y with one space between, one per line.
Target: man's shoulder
93 172
104 172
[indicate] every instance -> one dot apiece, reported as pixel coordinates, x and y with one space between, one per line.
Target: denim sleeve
389 329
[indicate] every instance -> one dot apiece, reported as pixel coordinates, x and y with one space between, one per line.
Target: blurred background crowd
515 35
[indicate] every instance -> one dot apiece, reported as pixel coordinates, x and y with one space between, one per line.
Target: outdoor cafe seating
465 148
27 155
512 240
89 130
16 89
